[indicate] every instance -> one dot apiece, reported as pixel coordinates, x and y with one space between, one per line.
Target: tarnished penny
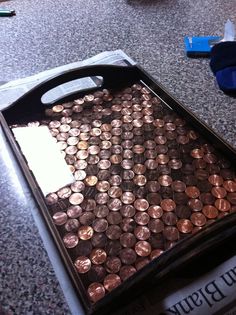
127 256
113 264
82 264
154 225
74 212
113 232
156 253
127 240
171 233
127 198
126 272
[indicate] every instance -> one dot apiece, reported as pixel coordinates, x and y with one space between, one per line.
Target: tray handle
31 102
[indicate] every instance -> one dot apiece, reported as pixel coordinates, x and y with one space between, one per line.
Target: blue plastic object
200 46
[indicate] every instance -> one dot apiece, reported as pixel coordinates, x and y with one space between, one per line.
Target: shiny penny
96 292
82 264
111 281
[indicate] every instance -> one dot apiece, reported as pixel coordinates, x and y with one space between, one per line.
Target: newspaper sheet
11 91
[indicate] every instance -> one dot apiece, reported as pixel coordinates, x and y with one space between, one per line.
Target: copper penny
114 217
175 164
114 204
195 204
151 164
231 197
210 158
113 232
139 169
207 198
178 186
115 192
155 212
197 153
127 240
104 164
113 264
101 198
80 175
82 155
141 218
87 218
222 205
192 192
127 256
128 211
60 218
51 199
153 186
103 186
96 291
215 180
218 192
141 204
76 198
185 226
143 248
98 256
169 218
74 212
165 180
85 232
198 219
156 253
93 149
168 204
155 225
80 164
115 180
98 240
138 149
72 225
142 232
91 180
126 272
162 159
140 180
64 193
127 198
111 281
230 185
82 264
70 240
141 262
100 225
171 233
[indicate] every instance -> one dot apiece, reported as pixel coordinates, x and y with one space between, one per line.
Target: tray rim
167 257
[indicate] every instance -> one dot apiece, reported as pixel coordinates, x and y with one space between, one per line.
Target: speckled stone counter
45 34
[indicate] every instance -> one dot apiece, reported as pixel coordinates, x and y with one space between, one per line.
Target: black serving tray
29 107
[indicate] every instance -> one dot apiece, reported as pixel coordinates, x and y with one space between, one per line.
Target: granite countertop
45 34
